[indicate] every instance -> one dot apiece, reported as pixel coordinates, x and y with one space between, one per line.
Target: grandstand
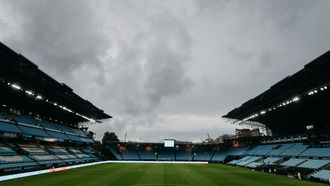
39 119
294 113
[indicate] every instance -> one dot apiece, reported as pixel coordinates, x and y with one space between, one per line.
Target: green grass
158 174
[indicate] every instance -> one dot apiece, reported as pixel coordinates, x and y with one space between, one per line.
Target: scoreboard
169 142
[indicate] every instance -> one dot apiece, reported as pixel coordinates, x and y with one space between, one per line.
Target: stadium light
28 92
16 86
296 99
311 93
39 97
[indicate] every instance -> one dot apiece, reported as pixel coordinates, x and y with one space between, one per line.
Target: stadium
282 136
39 135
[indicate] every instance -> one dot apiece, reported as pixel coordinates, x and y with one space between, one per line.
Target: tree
109 137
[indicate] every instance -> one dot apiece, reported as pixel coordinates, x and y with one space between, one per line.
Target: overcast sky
167 69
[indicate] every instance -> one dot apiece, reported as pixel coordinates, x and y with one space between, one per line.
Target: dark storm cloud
167 59
61 36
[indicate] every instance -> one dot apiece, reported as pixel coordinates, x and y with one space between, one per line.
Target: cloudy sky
167 69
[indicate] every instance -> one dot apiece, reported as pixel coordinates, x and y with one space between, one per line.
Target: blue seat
183 156
58 135
281 149
6 150
166 154
294 150
13 165
130 154
33 131
317 152
8 127
25 119
49 125
322 175
293 162
203 156
271 160
248 160
314 164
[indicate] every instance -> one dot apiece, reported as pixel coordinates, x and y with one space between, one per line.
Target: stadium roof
24 86
294 103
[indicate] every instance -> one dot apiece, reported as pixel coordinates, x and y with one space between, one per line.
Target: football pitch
158 175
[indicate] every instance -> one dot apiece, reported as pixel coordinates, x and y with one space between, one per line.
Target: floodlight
16 86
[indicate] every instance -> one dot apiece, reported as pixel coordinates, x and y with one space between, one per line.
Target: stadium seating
252 150
203 153
75 156
6 150
280 149
58 135
323 175
10 160
57 149
65 133
22 119
166 154
49 125
203 156
222 154
183 156
271 160
16 161
248 161
81 155
314 164
114 150
46 159
40 155
130 154
33 131
33 149
88 150
293 162
316 152
261 150
234 162
30 127
237 151
254 164
79 132
9 127
294 150
146 155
